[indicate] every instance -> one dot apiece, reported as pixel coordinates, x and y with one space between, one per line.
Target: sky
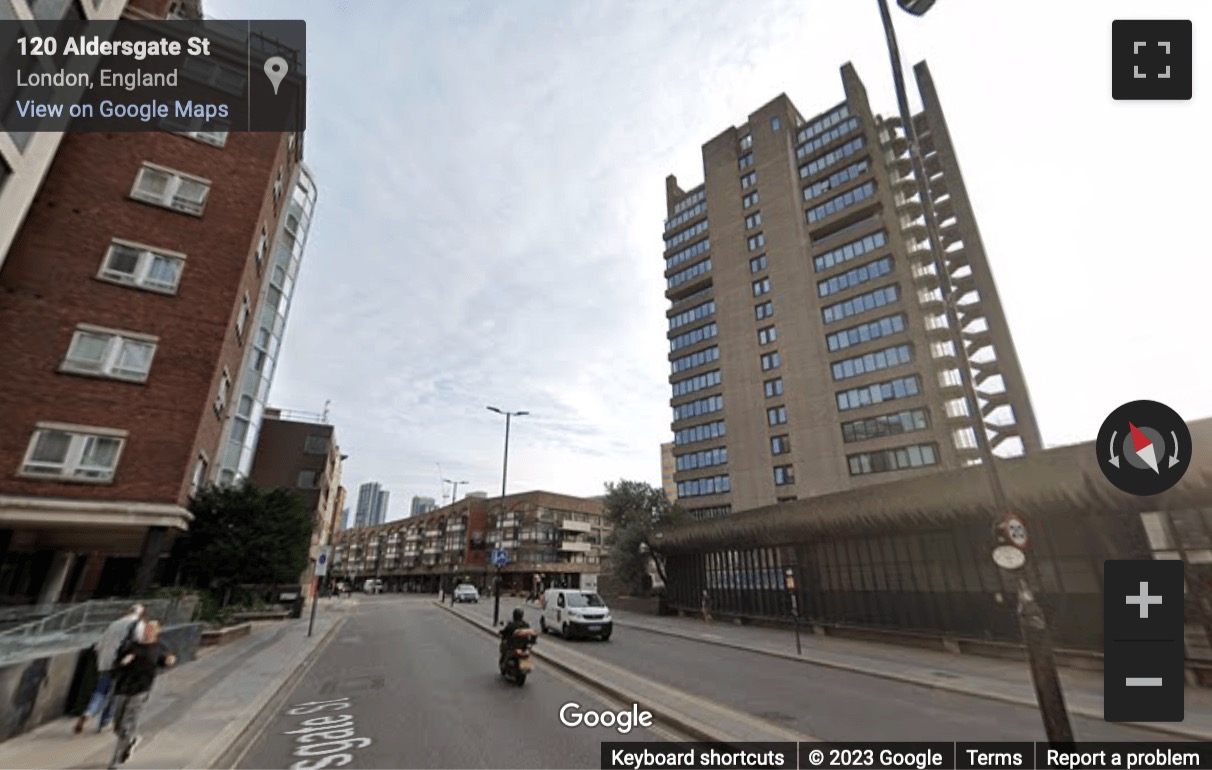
489 226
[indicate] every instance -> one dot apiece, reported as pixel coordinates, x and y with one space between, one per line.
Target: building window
704 432
141 266
698 408
835 180
784 475
770 361
109 353
278 186
80 454
696 383
757 241
690 273
819 164
764 310
712 485
856 277
753 220
775 123
695 313
776 415
767 335
698 358
877 393
688 253
262 247
316 444
850 251
757 264
746 161
171 189
749 200
749 180
694 337
917 456
684 235
873 330
224 392
909 421
707 458
863 303
826 138
242 320
761 287
780 445
773 387
746 142
198 479
876 361
308 480
841 202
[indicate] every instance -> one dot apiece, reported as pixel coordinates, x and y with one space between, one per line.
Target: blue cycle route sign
499 557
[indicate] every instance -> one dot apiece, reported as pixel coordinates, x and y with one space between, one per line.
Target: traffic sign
322 560
499 557
1016 531
1009 557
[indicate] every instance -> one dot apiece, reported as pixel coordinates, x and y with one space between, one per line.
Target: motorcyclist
518 623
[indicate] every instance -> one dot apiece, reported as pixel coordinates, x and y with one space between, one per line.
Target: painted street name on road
329 738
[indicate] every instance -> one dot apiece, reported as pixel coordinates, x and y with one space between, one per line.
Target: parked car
373 586
466 593
573 613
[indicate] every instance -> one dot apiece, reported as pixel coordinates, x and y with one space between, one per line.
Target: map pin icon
275 70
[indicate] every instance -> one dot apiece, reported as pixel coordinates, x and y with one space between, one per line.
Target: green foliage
246 535
638 513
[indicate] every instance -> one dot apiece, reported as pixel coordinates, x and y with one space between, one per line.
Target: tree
638 512
246 535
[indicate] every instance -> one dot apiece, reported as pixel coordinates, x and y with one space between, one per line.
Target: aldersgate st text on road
907 756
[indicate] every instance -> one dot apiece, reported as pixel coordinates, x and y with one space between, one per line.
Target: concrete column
56 576
91 577
149 559
6 540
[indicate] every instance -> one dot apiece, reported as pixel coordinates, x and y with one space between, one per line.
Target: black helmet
517 613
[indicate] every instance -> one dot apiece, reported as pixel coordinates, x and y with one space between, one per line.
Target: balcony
575 546
570 525
413 536
432 551
433 533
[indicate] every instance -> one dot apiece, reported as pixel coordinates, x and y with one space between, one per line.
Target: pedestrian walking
137 666
129 627
706 607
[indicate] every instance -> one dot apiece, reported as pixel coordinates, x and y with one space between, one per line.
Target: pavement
198 711
405 685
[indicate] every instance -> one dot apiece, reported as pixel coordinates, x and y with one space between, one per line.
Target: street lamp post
496 593
1032 621
454 494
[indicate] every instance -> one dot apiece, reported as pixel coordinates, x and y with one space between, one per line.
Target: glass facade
261 356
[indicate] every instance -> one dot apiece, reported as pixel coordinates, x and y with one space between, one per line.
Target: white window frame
262 247
195 483
170 200
278 185
114 347
71 465
223 394
242 319
147 257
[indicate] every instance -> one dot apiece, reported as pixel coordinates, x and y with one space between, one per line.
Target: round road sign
1016 530
1009 557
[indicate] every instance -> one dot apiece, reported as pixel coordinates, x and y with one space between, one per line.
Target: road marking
334 733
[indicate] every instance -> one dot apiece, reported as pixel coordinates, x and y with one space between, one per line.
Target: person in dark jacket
518 622
136 668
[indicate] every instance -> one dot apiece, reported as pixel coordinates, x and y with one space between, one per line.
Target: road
825 703
423 692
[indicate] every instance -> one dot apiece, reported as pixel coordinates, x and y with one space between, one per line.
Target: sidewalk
1000 680
197 711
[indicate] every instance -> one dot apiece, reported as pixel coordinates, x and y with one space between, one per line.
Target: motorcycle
517 663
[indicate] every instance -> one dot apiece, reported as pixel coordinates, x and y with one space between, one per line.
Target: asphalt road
824 703
423 691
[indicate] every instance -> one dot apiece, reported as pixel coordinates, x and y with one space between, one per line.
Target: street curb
1157 727
233 740
689 727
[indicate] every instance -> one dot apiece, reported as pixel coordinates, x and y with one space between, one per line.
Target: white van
373 586
573 613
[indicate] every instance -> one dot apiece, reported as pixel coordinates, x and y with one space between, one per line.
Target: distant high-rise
422 505
809 345
345 519
372 505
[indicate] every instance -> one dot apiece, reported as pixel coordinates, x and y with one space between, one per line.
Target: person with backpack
136 667
129 627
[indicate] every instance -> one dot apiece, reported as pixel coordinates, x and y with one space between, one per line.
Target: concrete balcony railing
575 546
570 525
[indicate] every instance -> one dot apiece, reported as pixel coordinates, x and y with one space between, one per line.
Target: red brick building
125 306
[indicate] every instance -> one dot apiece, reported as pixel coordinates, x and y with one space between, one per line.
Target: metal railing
80 625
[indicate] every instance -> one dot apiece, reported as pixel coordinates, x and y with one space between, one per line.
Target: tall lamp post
496 592
1032 621
454 494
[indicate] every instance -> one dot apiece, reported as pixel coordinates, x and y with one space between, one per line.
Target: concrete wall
34 692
